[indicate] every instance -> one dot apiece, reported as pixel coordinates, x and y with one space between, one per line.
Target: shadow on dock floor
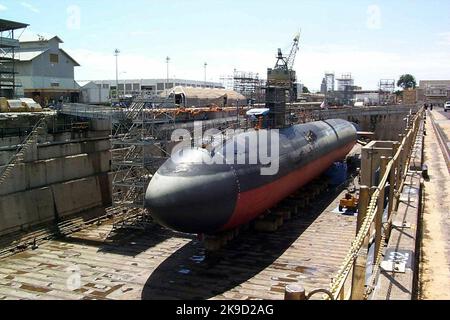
192 274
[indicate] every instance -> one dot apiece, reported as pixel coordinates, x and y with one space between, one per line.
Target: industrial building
343 91
106 89
46 71
433 91
368 97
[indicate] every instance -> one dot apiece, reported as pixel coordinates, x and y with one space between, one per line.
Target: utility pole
116 53
205 65
167 80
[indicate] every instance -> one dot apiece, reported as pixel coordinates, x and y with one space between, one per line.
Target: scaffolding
330 81
387 89
249 85
141 140
227 82
8 46
345 82
139 146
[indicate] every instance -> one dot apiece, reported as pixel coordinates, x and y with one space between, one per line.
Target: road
435 262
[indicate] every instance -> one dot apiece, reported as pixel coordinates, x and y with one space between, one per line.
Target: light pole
205 65
116 53
167 81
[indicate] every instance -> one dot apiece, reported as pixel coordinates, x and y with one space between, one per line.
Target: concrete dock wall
25 209
22 210
53 151
37 174
65 174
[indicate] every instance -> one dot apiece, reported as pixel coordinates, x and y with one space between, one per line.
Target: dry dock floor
160 264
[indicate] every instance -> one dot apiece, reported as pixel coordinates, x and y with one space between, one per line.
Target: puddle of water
198 259
185 271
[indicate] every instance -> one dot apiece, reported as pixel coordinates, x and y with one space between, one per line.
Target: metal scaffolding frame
138 148
249 85
387 89
330 81
8 46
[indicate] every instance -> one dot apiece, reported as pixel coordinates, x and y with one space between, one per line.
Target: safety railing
370 225
373 226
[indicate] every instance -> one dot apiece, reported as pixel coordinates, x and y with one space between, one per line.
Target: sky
373 39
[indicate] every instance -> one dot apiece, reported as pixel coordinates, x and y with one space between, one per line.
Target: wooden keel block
267 225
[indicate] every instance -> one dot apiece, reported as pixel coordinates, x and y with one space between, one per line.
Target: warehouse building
132 87
46 71
433 91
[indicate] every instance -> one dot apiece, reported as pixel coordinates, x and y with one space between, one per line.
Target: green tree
306 90
407 81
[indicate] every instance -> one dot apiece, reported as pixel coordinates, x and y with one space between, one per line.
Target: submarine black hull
192 197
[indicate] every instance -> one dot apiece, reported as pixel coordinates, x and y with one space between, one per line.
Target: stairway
19 156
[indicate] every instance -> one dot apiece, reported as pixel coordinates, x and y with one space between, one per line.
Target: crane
288 63
294 50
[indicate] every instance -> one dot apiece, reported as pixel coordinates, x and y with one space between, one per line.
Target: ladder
18 157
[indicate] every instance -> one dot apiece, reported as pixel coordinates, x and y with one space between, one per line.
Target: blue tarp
337 173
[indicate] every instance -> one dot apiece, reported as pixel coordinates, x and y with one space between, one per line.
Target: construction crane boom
294 50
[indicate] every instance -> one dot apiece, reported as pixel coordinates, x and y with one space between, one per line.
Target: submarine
191 195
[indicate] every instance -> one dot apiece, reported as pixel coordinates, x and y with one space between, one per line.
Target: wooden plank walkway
161 264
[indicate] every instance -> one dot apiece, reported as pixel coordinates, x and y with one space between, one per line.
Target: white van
447 106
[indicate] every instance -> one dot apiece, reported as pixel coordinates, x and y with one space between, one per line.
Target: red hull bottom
253 203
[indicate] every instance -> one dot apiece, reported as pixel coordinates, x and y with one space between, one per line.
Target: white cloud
30 7
101 65
31 35
444 38
3 8
140 33
367 66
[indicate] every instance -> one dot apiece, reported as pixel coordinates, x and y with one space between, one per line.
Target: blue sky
372 39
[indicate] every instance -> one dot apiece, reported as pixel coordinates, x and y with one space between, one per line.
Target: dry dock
159 264
315 246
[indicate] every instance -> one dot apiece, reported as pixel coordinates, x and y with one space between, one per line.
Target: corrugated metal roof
6 25
29 55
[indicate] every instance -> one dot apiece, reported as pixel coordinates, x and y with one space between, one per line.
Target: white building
46 71
131 87
92 93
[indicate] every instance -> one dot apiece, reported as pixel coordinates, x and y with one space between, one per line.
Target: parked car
447 106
